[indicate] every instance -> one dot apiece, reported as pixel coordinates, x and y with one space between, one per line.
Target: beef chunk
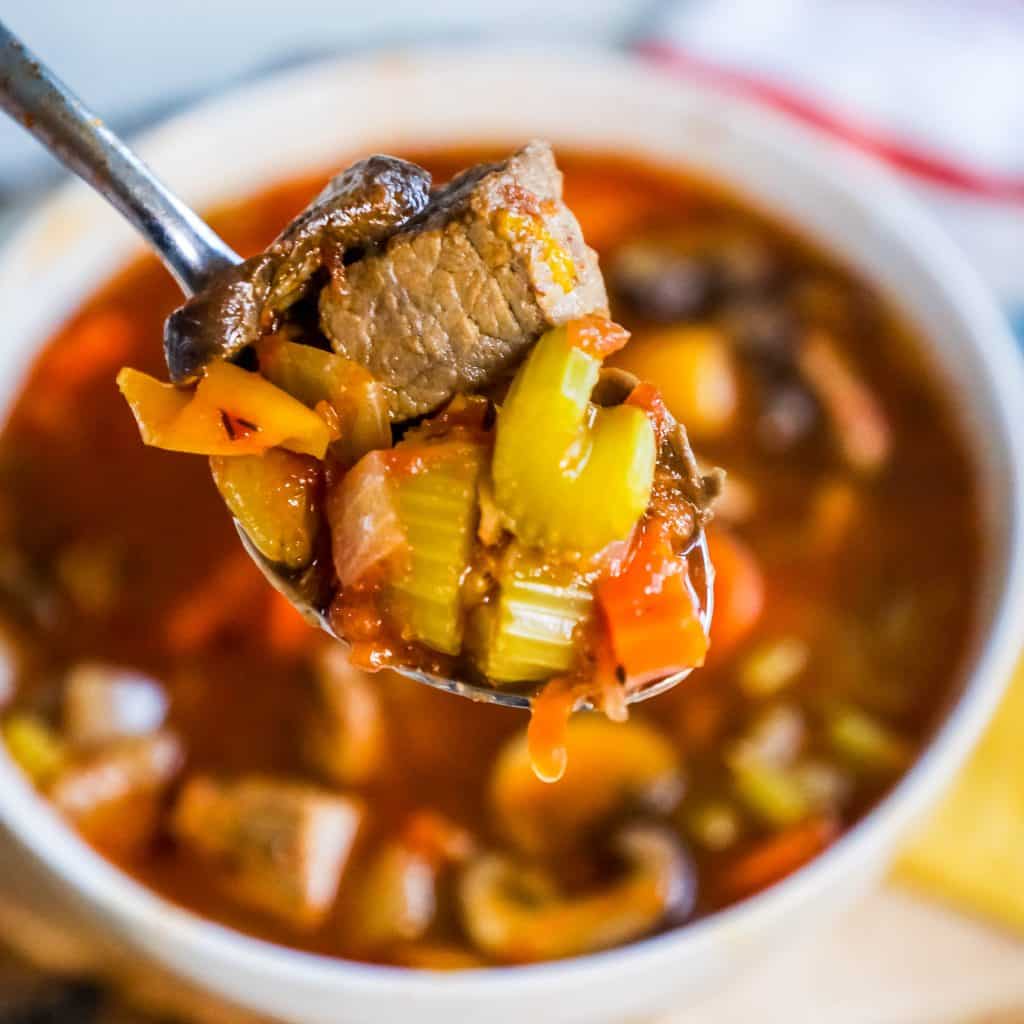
113 795
279 847
451 302
361 206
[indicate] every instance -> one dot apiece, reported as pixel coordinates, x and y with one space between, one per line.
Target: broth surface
115 553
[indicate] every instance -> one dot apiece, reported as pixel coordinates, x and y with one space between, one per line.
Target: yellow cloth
971 851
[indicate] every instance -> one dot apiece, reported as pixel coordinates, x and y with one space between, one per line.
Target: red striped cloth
935 88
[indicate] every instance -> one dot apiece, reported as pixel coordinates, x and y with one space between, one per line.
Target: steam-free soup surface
846 552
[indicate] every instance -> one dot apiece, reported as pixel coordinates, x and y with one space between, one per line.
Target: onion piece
362 509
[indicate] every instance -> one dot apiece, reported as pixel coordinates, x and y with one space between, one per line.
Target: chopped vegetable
275 497
530 628
772 666
866 742
438 511
314 376
611 766
695 372
651 612
230 412
556 454
366 531
773 794
211 604
714 824
36 748
739 591
773 859
278 847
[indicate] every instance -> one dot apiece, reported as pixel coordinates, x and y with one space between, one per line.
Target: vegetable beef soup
188 723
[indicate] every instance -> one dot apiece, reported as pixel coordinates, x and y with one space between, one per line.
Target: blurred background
935 88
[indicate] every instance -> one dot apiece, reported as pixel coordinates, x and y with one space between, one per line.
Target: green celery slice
528 632
438 509
569 475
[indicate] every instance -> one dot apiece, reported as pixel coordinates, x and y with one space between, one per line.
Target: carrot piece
596 335
650 611
230 412
775 858
549 727
288 633
214 603
739 591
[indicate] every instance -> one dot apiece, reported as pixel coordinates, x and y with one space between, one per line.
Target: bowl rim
137 909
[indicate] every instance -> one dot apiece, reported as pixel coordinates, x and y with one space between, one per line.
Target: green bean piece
569 475
438 508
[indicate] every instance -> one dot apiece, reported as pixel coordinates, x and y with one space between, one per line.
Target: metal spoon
33 96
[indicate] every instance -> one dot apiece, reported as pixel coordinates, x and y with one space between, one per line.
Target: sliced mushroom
346 739
611 766
103 703
278 847
516 913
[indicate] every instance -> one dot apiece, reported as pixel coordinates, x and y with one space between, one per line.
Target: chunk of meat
451 302
280 847
103 703
346 738
360 206
113 795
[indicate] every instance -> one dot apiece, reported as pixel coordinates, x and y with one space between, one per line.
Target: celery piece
312 376
438 509
529 631
866 742
772 794
569 475
275 498
34 747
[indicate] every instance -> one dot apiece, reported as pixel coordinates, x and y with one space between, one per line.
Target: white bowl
318 115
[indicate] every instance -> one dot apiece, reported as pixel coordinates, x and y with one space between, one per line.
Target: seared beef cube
113 796
280 847
451 302
360 206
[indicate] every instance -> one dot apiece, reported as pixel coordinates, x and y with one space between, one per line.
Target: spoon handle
44 106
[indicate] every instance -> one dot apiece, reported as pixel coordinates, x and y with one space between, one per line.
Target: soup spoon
194 254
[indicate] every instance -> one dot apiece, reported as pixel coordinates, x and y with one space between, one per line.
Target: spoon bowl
505 696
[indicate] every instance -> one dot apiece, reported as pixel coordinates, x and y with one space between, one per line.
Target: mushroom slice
515 913
279 847
612 766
